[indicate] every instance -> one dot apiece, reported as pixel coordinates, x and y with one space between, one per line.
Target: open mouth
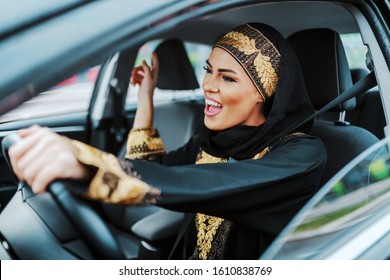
212 108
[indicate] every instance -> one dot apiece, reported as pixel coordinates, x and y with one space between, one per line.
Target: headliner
285 17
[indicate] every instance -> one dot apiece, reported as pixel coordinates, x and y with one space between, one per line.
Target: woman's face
231 97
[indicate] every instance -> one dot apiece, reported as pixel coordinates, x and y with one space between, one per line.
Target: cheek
241 104
240 98
237 110
233 94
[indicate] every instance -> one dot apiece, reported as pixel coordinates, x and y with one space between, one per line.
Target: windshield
348 215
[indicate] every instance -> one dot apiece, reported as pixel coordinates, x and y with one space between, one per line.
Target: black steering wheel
91 227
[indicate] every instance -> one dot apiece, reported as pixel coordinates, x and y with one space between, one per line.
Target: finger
136 75
146 69
137 79
46 175
27 131
34 153
139 76
17 151
36 160
156 65
132 77
63 165
14 165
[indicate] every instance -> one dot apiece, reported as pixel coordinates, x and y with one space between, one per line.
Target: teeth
212 103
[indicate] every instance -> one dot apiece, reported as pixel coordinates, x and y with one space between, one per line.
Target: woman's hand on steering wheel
43 156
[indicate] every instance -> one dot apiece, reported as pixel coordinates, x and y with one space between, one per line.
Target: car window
197 54
69 96
355 50
347 218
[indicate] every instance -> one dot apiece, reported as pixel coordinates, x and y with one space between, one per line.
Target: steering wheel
91 227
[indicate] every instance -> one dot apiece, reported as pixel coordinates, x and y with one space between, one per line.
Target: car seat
327 75
369 112
177 121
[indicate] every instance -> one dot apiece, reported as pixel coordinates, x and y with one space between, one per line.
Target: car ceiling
285 17
19 14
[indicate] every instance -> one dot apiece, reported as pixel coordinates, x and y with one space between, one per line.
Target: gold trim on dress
207 226
143 143
204 158
208 247
212 231
111 184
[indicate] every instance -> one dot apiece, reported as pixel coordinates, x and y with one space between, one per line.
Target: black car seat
369 112
327 75
177 122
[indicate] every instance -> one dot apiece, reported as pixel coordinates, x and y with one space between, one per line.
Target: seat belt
361 86
188 217
118 128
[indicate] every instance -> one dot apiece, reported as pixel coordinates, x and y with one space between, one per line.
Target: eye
208 71
228 79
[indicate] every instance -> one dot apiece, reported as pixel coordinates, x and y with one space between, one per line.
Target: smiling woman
231 96
254 93
265 173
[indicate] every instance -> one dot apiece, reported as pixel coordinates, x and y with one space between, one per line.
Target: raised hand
146 77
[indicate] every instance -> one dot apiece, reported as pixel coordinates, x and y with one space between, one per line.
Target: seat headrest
324 66
358 74
176 72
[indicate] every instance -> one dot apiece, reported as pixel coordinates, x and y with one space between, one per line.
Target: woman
267 170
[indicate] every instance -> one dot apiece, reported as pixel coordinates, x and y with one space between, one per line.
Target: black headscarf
285 106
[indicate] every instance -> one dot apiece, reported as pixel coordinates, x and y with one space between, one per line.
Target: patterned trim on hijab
256 54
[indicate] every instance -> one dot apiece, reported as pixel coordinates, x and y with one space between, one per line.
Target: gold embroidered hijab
256 54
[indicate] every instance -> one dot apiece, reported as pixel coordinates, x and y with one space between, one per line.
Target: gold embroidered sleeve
111 183
144 143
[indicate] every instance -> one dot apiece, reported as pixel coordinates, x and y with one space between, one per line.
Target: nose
210 83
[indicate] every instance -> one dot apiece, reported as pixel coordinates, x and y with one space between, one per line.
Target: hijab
274 69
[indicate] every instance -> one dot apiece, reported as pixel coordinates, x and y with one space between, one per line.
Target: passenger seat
327 75
177 121
369 112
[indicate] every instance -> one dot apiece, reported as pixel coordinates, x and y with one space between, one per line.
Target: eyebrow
221 69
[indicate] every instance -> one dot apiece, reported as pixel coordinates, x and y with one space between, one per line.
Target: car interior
327 75
148 232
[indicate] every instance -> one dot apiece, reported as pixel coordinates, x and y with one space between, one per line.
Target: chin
214 124
210 124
